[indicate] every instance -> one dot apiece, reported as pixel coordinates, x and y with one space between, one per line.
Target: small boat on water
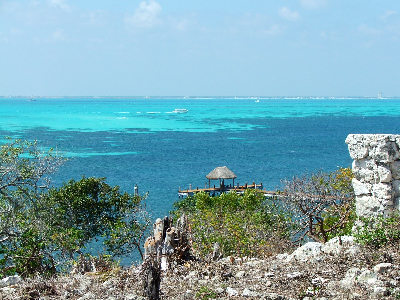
179 111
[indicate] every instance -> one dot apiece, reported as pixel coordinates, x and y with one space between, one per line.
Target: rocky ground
337 270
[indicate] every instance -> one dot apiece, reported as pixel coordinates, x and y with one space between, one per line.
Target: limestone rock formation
376 169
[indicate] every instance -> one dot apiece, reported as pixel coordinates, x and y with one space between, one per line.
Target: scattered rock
344 244
380 291
382 268
249 293
87 296
240 274
11 280
231 292
369 278
273 296
294 275
282 256
311 250
7 290
316 271
134 297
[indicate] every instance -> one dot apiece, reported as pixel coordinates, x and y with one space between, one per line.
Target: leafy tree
41 227
243 225
24 178
323 204
90 208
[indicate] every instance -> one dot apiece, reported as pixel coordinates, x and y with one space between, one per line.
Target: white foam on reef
89 154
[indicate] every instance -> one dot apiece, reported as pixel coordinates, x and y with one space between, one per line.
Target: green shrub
378 232
341 219
206 293
243 225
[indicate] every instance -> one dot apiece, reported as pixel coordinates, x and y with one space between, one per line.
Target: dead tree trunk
152 279
168 242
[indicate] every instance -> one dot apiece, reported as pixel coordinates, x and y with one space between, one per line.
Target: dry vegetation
268 278
319 207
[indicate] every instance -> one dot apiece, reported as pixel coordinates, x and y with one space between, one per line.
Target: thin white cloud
10 7
253 20
387 14
289 15
255 24
61 4
15 31
96 17
59 35
181 25
274 30
313 4
34 2
146 15
365 29
387 27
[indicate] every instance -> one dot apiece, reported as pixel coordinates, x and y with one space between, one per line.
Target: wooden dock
226 189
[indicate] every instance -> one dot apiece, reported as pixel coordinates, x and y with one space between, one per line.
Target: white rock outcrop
11 280
307 252
315 251
343 244
376 169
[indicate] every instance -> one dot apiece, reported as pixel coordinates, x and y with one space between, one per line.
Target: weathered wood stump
152 279
167 244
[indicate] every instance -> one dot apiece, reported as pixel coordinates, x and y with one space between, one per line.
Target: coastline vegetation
43 230
314 207
323 204
378 232
242 225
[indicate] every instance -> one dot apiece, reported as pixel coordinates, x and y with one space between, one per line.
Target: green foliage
378 232
324 204
339 218
41 228
85 209
243 225
205 293
24 171
338 221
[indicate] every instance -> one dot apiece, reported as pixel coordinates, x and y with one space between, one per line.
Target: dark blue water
161 162
140 142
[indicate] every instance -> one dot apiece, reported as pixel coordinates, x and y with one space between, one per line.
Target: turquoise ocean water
139 141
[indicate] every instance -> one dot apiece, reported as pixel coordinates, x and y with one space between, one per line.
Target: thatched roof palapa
221 173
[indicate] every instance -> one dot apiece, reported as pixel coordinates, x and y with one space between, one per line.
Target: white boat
179 111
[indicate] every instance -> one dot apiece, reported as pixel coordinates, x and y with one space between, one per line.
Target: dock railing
225 189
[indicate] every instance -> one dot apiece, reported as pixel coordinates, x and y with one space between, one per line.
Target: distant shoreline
199 97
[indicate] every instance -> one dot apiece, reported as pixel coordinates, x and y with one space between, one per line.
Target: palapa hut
221 173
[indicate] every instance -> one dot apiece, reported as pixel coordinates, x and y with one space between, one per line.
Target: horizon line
202 97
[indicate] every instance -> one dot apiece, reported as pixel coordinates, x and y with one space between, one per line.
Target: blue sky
198 48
